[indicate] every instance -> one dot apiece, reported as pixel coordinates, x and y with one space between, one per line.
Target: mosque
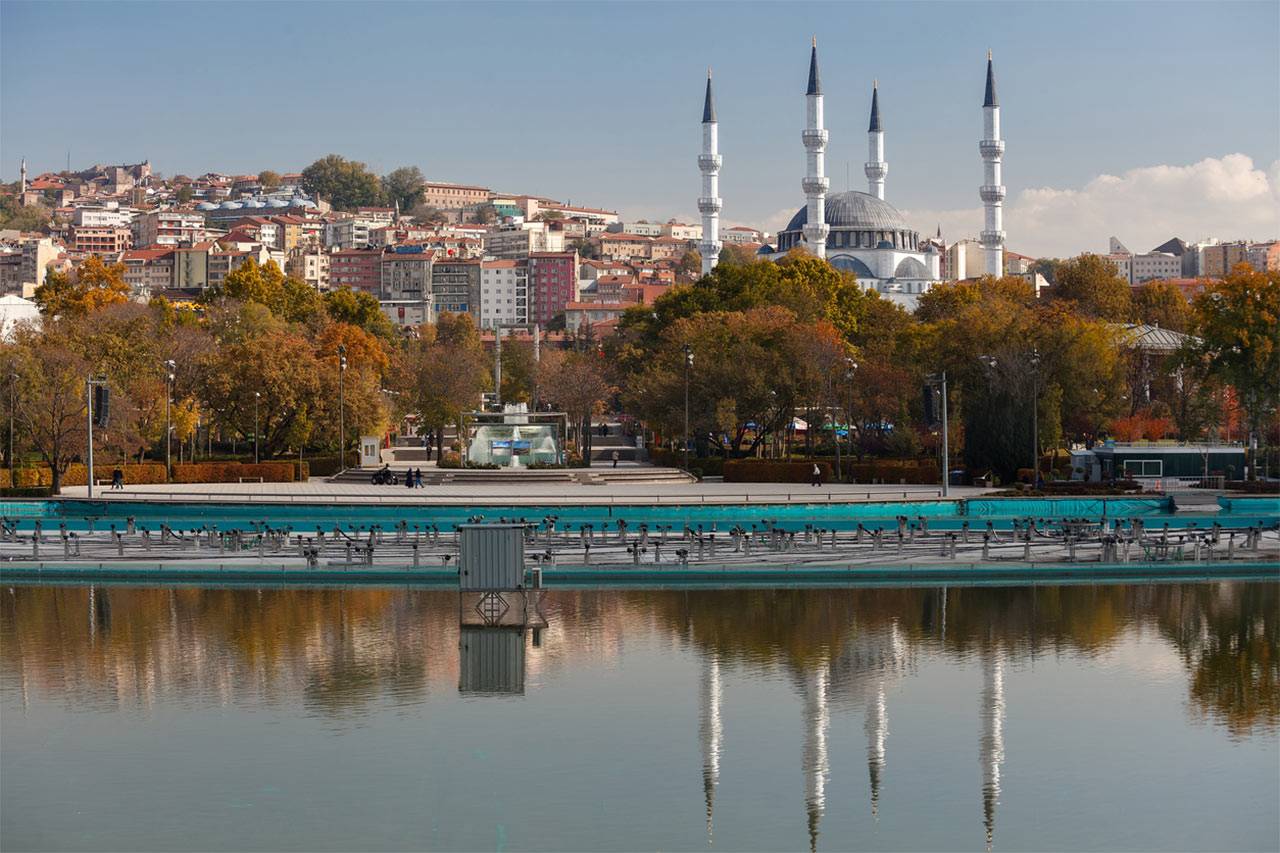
858 231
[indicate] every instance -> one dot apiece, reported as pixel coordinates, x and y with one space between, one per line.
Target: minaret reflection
710 732
991 747
817 719
877 725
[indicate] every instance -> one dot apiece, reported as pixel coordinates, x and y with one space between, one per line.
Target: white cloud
1225 197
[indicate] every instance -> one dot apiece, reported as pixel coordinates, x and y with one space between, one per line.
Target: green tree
50 402
484 214
403 186
549 216
442 374
425 214
575 383
1159 303
346 184
690 266
358 308
32 217
184 194
1092 284
1238 322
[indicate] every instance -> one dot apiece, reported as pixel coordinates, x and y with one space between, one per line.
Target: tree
549 216
346 184
731 254
50 402
484 214
96 285
357 308
184 194
443 373
269 179
519 371
575 383
14 215
1238 322
690 266
403 186
1092 284
1159 303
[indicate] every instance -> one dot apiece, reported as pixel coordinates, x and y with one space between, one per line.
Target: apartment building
504 293
149 271
455 287
405 273
168 228
553 284
103 240
358 269
516 240
453 196
310 264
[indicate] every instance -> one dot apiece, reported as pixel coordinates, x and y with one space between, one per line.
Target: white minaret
709 165
815 144
876 167
23 188
992 190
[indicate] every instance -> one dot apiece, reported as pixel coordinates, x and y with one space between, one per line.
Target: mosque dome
206 205
854 209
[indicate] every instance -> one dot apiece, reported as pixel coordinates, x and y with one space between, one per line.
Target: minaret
992 190
709 165
710 733
23 187
815 144
876 167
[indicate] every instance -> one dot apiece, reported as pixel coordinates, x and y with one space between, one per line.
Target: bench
251 479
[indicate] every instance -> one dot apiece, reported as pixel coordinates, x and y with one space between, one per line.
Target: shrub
771 471
27 492
451 459
327 466
232 472
134 475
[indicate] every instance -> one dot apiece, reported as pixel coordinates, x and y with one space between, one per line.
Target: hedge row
327 466
233 472
771 471
136 474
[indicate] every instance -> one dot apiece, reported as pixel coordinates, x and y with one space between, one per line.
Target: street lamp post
851 366
169 367
257 398
13 408
1035 417
946 442
688 365
342 408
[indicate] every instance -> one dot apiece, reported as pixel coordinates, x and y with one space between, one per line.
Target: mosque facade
859 231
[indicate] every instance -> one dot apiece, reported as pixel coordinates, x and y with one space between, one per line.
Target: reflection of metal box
491 660
490 556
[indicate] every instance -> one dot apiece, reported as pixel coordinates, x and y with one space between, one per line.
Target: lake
1139 717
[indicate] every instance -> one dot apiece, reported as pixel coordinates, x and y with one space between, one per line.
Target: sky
1140 120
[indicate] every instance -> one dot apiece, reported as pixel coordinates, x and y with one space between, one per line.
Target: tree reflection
339 649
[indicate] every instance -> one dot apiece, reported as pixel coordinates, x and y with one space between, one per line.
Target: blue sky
599 103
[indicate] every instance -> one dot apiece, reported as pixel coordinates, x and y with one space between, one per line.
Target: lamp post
1035 417
257 398
342 408
688 365
13 408
850 366
169 367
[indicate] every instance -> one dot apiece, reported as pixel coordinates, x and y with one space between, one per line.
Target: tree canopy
346 184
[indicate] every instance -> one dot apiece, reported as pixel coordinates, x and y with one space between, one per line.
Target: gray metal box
490 556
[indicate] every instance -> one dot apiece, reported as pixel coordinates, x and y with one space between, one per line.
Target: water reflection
338 652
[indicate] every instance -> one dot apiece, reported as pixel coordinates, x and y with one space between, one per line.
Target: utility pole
688 364
1035 417
88 395
946 444
257 398
497 365
13 407
342 408
170 365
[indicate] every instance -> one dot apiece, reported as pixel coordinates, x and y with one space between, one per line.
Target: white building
350 232
504 292
102 217
517 239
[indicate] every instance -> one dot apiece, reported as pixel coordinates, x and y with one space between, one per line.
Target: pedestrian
615 459
817 475
117 478
408 478
417 478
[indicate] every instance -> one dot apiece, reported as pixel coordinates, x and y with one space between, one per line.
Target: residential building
191 266
516 239
553 284
221 263
103 240
149 271
578 314
1265 257
1218 260
297 230
1154 265
10 271
357 269
963 260
681 231
378 215
455 287
452 196
37 254
1123 264
667 247
349 232
102 217
639 229
168 228
742 234
406 273
310 264
504 293
623 246
264 230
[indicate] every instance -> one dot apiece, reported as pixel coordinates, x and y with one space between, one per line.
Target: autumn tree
1238 322
1160 303
1093 286
268 179
50 395
442 374
96 284
575 383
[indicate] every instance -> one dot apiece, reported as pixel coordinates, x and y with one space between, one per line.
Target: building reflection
845 652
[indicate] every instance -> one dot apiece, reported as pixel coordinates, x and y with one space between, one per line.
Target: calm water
1119 717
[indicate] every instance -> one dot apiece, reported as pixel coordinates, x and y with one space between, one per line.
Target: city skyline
1134 140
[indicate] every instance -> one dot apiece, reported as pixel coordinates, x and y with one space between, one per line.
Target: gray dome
206 205
854 210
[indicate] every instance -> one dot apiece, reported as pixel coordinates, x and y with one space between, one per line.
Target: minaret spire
815 183
709 164
992 190
876 168
23 188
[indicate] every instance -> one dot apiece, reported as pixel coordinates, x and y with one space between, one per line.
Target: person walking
615 459
117 478
417 478
816 479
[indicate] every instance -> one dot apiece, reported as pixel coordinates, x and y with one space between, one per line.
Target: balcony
990 148
991 193
814 138
709 162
